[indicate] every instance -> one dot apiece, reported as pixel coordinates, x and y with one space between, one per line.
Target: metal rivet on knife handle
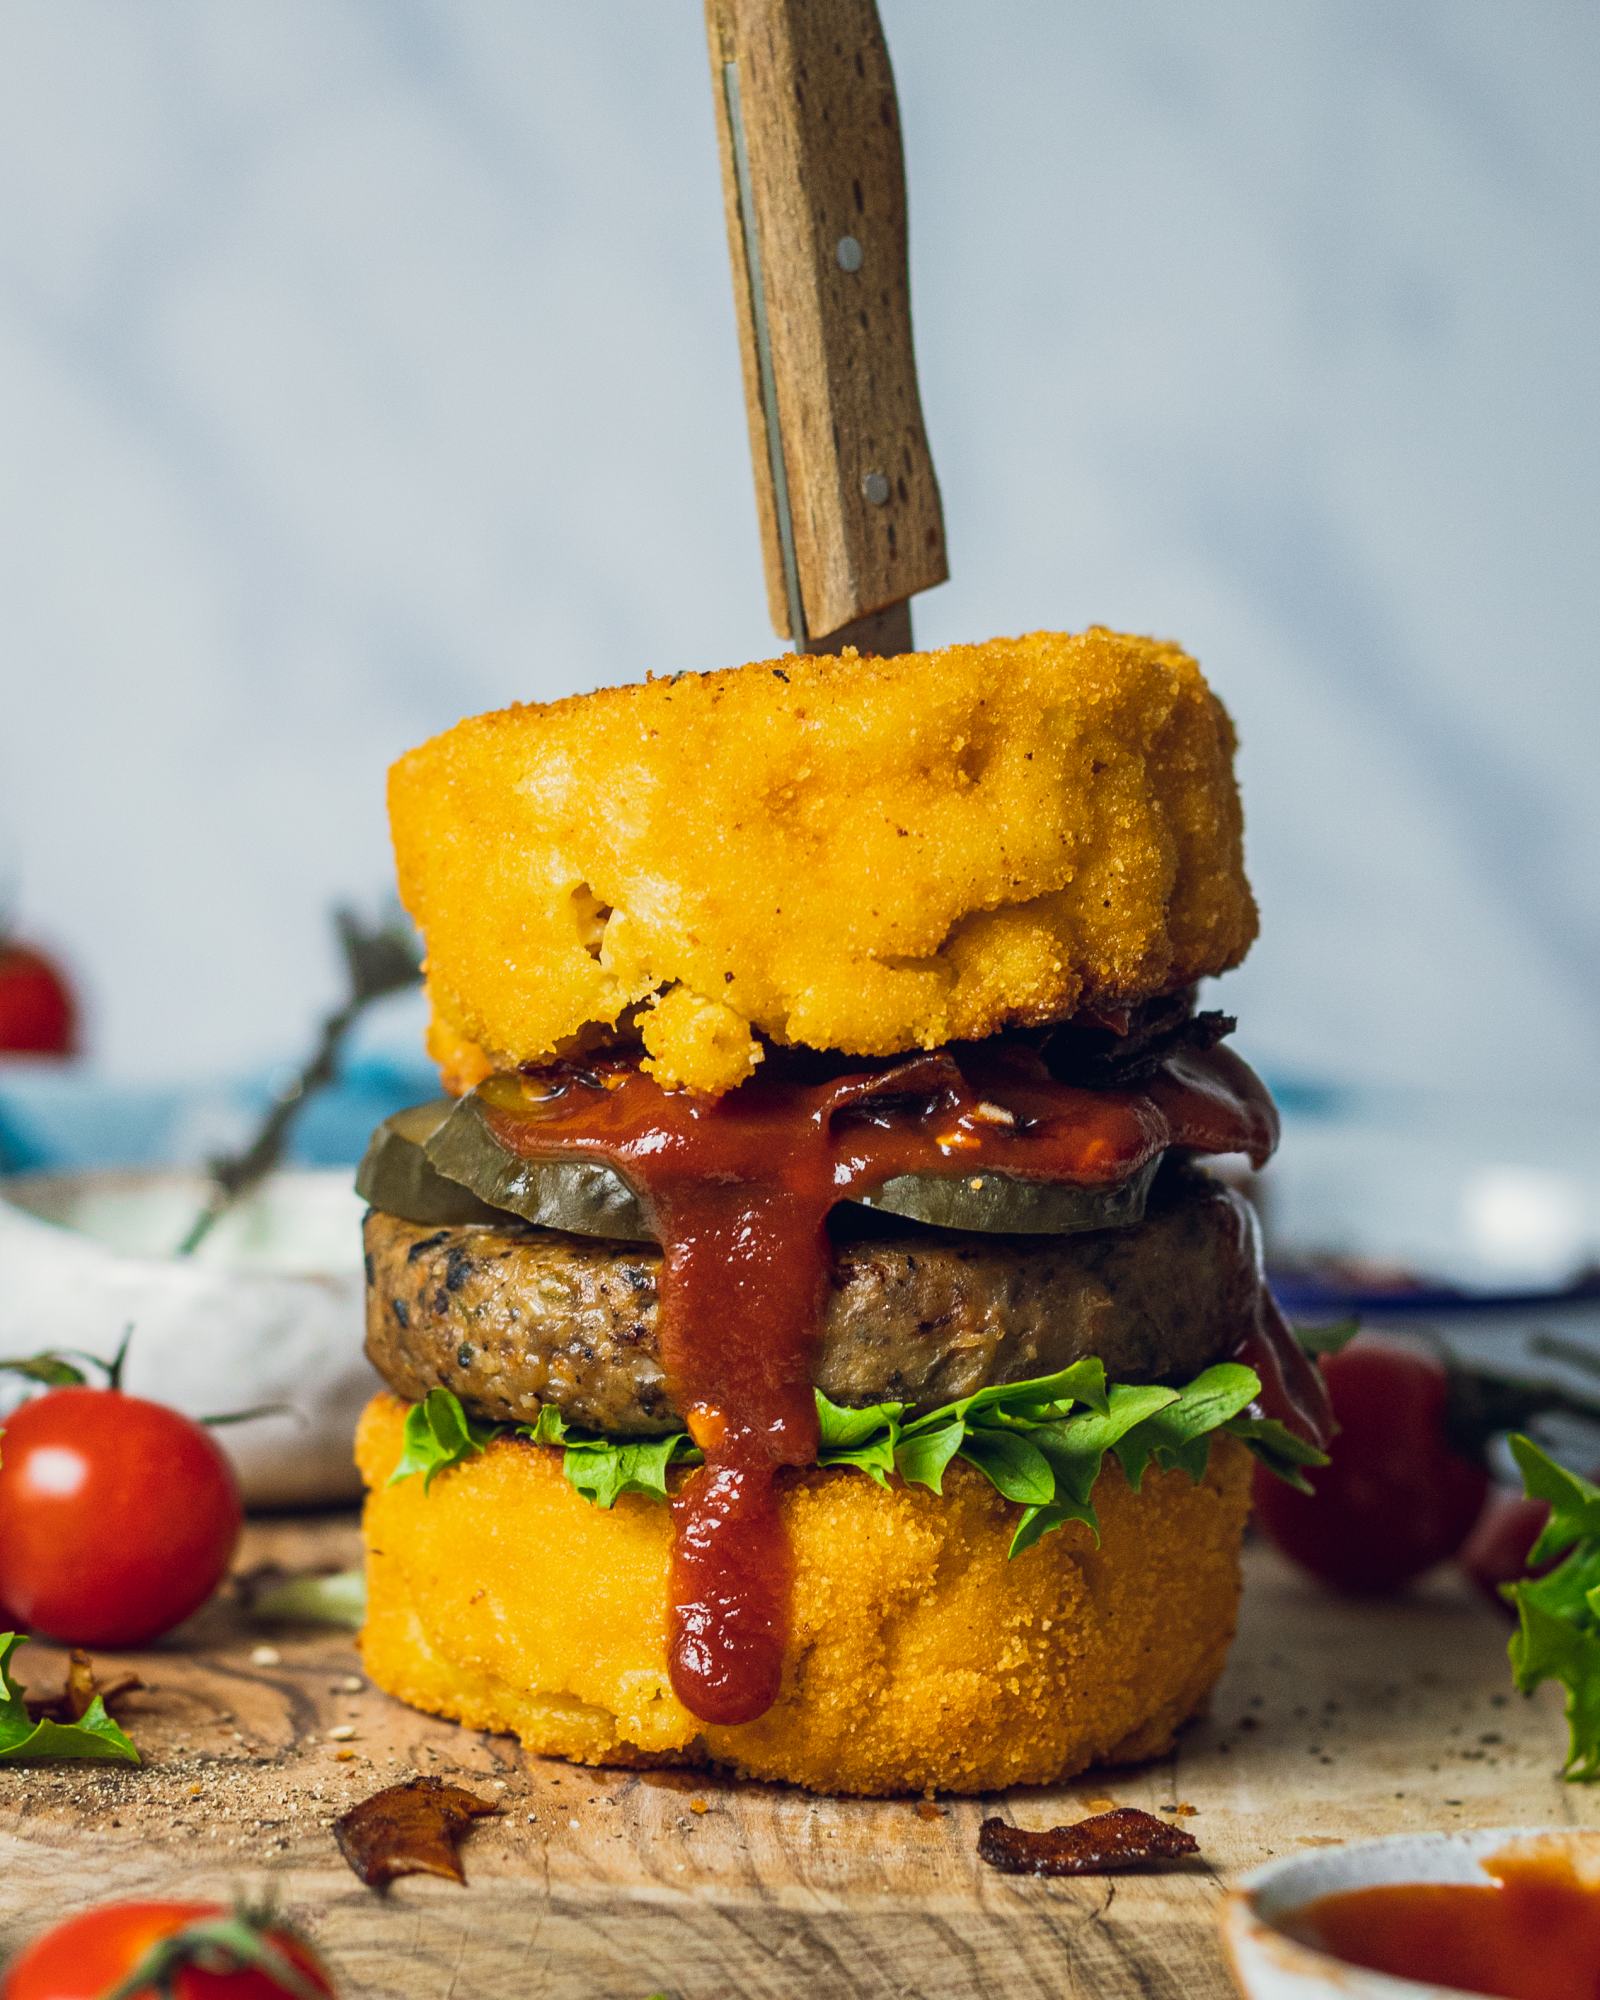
847 254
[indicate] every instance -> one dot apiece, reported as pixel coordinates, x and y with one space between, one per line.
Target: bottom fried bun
919 1658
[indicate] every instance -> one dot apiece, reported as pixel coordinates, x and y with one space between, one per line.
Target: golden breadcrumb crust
919 1659
871 855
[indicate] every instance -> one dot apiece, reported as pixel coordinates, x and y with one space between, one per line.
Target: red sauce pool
740 1188
1530 1933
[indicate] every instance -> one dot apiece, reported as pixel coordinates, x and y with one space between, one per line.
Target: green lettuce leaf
862 1439
844 1429
438 1434
1036 1401
921 1460
1077 1448
1013 1465
1179 1434
1333 1337
1284 1454
1558 1615
1041 1444
602 1469
22 1740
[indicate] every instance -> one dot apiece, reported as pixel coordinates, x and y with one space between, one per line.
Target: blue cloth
58 1119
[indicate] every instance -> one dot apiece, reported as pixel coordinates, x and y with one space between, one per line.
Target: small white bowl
1269 1964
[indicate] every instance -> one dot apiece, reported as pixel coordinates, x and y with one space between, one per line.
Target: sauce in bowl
1530 1932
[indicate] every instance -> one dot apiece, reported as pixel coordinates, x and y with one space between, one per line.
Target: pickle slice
442 1162
583 1197
1005 1205
396 1175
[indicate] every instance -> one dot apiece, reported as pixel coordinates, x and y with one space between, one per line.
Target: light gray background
368 362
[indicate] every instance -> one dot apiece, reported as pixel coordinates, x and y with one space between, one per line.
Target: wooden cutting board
1334 1722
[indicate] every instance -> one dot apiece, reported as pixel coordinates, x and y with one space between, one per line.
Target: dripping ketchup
740 1188
1530 1933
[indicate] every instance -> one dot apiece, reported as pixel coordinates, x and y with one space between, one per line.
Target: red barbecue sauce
1532 1933
740 1187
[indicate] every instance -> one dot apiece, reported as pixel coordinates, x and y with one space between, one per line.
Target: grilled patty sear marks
512 1317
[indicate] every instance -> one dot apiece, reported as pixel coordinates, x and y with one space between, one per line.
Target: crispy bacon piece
409 1829
1104 1845
1107 1055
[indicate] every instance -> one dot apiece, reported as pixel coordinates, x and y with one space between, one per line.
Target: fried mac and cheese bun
918 1656
860 854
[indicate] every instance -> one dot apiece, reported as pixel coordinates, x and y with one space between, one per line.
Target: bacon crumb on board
1104 1845
409 1829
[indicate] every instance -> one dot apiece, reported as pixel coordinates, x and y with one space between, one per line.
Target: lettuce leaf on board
23 1741
307 1597
1041 1444
1558 1614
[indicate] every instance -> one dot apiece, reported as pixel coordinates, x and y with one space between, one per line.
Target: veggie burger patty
510 1317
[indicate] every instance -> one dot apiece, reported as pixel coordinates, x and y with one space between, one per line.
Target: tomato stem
1553 1347
58 1367
113 1367
216 1944
380 959
248 1416
1483 1406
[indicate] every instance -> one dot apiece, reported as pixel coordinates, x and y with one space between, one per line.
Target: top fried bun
858 854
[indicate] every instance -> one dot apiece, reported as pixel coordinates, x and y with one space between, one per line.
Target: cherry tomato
1498 1548
38 1016
1398 1496
118 1517
89 1955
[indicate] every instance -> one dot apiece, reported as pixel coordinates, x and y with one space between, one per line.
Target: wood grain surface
810 83
1333 1722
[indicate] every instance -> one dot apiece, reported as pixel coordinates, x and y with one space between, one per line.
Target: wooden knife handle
814 187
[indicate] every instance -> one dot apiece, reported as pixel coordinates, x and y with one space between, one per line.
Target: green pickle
441 1163
1006 1205
583 1197
396 1175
